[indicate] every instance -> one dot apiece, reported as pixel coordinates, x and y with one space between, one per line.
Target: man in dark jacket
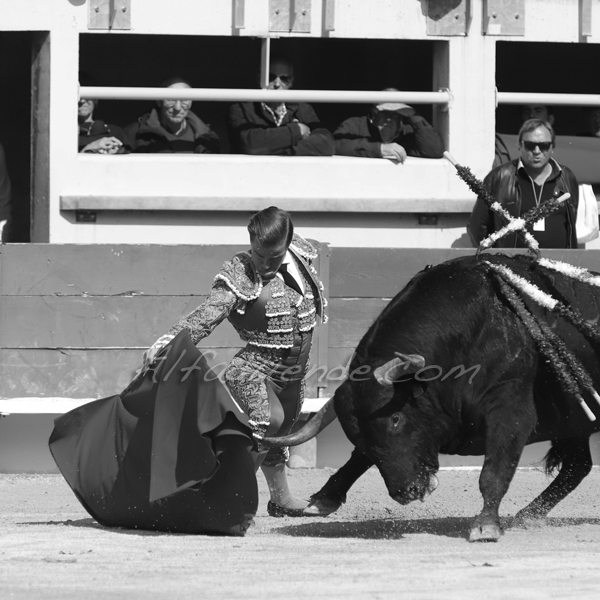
279 128
525 183
96 136
173 127
392 130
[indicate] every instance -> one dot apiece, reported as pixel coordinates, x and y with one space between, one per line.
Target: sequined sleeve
202 321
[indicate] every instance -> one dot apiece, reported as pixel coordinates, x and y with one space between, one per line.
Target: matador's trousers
268 383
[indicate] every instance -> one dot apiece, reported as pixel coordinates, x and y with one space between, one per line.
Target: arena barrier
76 319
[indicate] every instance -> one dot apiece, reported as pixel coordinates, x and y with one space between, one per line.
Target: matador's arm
202 321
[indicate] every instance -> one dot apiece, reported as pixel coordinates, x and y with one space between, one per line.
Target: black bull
449 367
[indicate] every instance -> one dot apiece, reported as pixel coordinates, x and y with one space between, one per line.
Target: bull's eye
396 419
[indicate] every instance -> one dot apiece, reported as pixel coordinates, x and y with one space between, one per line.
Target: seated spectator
94 134
392 130
173 127
526 111
278 127
4 196
536 111
593 121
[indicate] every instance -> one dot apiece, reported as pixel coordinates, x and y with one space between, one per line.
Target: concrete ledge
232 182
216 203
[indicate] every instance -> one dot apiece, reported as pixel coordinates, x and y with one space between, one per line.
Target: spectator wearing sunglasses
526 111
173 127
278 128
392 130
524 183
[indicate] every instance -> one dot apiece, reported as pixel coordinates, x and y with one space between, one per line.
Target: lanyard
535 196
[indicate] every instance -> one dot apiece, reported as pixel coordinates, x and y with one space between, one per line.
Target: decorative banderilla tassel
569 371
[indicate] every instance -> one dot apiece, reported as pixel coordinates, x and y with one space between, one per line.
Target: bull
461 362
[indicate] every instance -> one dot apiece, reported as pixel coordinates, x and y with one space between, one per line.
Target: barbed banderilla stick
475 184
519 224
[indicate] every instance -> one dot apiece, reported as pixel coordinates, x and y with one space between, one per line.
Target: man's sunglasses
285 79
543 146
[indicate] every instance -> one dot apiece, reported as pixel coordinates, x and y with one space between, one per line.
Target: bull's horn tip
415 359
381 376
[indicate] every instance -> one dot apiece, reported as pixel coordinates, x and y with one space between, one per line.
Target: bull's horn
323 418
403 363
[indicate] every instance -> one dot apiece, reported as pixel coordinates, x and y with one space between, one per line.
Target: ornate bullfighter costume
175 453
276 321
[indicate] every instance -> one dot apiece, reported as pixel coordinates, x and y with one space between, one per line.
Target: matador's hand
150 354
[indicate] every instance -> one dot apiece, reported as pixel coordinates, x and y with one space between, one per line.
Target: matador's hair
271 226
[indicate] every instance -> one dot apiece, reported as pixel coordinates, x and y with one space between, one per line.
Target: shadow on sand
395 529
376 529
381 529
90 523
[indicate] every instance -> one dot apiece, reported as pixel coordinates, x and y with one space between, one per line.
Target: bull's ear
392 370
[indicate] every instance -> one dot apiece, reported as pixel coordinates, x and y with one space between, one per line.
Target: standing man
272 296
173 127
525 183
392 130
278 128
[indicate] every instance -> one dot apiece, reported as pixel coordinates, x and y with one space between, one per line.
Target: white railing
260 95
547 99
61 405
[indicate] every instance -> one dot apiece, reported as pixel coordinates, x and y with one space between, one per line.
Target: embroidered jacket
264 314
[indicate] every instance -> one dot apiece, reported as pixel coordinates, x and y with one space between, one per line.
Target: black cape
172 452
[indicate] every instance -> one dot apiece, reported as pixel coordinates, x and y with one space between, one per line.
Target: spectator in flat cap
392 130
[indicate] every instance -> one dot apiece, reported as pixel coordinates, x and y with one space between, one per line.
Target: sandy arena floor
371 548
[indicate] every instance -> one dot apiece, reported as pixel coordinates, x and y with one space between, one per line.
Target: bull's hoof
488 532
321 507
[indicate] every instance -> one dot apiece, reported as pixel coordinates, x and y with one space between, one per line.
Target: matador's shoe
275 510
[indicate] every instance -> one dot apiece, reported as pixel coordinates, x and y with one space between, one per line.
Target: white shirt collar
292 269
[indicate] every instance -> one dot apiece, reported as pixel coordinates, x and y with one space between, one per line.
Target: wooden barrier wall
75 319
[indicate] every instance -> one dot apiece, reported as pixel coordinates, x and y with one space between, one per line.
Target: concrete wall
463 60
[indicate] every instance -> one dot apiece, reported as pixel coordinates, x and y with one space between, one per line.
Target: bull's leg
333 494
506 436
575 462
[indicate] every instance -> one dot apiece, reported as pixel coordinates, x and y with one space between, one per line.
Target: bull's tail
571 457
554 458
